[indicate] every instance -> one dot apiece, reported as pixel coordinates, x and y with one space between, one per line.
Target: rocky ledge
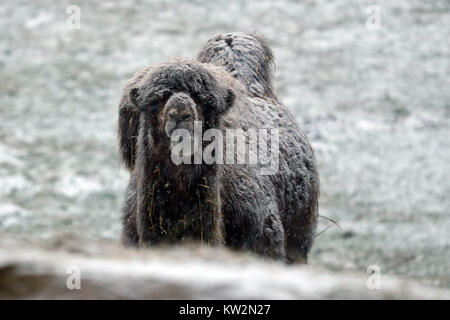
87 269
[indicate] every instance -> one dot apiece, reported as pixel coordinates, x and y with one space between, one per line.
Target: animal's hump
246 56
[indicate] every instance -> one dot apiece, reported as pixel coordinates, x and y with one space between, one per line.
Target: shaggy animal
228 86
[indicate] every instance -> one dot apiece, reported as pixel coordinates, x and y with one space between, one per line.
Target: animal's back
291 193
246 56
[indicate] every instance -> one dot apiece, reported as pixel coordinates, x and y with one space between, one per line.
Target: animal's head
176 95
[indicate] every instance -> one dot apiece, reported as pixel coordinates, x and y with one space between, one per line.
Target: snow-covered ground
375 104
105 271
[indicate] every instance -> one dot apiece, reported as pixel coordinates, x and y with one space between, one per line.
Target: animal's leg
299 236
146 223
272 242
129 230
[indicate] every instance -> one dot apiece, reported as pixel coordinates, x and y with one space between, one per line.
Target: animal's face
176 96
179 112
168 111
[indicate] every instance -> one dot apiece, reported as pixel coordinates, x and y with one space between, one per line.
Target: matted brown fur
231 204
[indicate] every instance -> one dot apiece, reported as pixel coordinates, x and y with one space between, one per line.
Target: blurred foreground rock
29 271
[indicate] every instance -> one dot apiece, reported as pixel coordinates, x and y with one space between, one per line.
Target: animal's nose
179 115
178 119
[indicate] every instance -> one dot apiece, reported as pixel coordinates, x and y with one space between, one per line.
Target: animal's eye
159 97
155 100
164 95
154 105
